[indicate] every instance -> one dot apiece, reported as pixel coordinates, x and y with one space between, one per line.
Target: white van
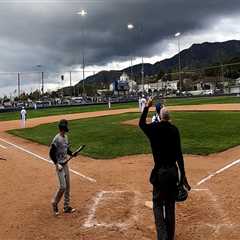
77 100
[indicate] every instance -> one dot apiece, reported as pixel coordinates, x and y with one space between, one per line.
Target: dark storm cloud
50 33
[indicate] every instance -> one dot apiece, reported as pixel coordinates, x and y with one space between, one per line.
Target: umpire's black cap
63 125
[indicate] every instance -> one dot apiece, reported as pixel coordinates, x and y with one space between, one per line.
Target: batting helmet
63 125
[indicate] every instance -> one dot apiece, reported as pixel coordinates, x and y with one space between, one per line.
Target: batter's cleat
69 210
55 209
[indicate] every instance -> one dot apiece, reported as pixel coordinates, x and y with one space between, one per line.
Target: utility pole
142 75
42 82
141 37
19 85
177 35
179 65
70 77
83 72
131 74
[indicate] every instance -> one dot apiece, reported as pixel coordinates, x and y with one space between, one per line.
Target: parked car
7 104
77 100
66 101
208 92
42 104
20 104
218 92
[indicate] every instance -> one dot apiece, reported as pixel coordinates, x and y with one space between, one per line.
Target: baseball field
81 109
109 180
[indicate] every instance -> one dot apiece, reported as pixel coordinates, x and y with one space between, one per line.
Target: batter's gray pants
164 213
64 186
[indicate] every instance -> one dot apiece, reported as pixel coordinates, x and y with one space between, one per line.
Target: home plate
149 204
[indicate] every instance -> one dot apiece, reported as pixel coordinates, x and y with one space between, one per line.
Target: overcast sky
51 34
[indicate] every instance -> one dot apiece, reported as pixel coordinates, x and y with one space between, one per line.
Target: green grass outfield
203 100
202 133
79 109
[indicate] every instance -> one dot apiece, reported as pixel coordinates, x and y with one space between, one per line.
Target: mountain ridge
198 55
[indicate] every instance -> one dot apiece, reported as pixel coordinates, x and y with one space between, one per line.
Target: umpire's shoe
55 209
69 210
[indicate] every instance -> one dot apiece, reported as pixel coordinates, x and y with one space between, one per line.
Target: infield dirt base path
113 207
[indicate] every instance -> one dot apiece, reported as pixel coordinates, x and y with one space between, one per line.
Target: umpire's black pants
164 213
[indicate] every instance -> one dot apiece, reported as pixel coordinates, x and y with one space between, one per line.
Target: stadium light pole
142 63
177 35
42 77
83 13
130 27
19 85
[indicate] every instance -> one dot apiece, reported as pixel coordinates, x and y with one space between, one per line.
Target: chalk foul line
3 146
218 172
46 160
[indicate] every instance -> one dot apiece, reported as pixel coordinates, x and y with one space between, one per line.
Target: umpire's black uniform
166 148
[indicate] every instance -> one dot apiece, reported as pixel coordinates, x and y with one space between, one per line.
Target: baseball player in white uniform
109 103
23 115
139 104
143 102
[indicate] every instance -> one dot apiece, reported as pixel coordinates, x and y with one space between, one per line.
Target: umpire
166 149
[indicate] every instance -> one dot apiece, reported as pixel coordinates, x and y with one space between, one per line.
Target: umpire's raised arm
143 119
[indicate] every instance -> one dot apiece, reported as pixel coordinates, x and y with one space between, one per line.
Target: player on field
23 117
142 103
59 152
156 116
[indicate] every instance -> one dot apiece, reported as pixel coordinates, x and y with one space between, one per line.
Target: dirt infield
110 195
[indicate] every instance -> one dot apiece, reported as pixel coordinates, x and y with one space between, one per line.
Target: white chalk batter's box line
106 195
91 221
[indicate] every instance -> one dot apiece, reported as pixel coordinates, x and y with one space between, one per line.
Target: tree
35 95
160 74
167 76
